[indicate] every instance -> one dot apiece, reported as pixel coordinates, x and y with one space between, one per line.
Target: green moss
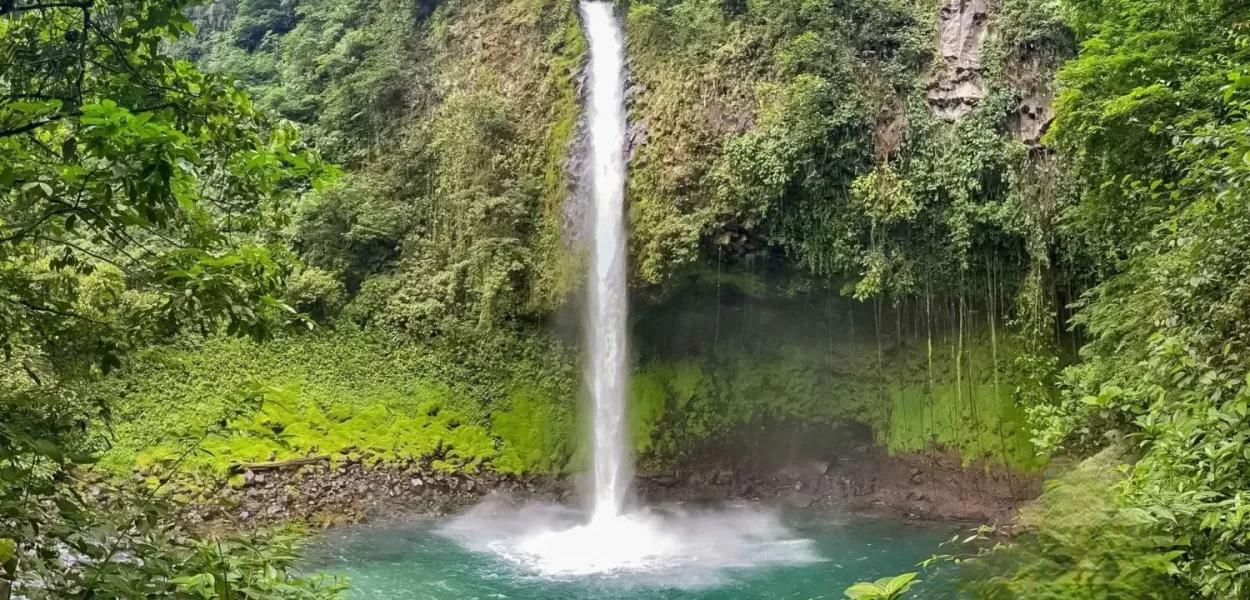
347 394
647 399
509 403
374 434
973 420
681 404
559 270
535 432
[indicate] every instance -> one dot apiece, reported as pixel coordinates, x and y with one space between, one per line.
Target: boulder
799 499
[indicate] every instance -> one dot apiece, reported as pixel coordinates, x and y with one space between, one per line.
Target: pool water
421 560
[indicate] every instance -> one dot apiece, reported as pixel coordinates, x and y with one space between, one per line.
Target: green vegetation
352 394
348 395
676 405
457 121
833 222
886 588
1082 542
1151 120
140 198
1079 540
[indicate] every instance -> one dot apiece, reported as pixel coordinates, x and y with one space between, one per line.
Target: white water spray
606 320
673 548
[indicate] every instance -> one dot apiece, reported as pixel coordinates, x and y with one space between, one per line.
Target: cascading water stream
606 319
676 547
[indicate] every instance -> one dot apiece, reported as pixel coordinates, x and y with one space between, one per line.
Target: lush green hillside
828 144
820 137
1013 229
902 155
509 403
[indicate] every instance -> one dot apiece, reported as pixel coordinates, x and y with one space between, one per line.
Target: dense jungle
274 267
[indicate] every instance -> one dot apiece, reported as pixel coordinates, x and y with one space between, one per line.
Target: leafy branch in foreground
138 197
119 162
886 588
74 533
1081 540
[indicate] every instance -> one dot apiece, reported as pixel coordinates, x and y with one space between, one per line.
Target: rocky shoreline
921 486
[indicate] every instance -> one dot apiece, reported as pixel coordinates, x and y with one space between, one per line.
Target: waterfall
674 545
606 318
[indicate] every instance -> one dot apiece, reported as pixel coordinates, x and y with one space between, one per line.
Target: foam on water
669 547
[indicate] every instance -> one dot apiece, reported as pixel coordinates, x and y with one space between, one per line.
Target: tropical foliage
1166 363
1151 122
886 588
140 198
1086 288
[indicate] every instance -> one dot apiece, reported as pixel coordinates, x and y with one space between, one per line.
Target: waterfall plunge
672 548
606 319
612 540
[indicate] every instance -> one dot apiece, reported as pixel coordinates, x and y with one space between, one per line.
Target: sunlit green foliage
805 127
457 120
886 588
123 169
770 136
503 404
1147 71
792 126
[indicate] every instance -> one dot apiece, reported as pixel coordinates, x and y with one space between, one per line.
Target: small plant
886 588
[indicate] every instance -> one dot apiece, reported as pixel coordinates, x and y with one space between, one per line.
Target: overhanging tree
138 197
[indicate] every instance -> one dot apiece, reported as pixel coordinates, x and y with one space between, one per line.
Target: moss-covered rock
350 394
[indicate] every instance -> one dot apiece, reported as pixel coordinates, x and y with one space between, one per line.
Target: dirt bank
932 486
322 494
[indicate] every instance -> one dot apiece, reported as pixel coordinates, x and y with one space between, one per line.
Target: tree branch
73 113
94 255
23 232
31 306
82 52
6 8
33 125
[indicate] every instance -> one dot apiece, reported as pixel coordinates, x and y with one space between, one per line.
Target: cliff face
886 155
957 87
866 140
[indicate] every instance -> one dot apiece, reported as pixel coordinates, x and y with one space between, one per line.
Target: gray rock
956 87
1031 76
799 499
663 480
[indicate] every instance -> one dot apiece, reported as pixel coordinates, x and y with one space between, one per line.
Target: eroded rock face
956 88
891 127
322 494
1032 77
926 485
931 485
